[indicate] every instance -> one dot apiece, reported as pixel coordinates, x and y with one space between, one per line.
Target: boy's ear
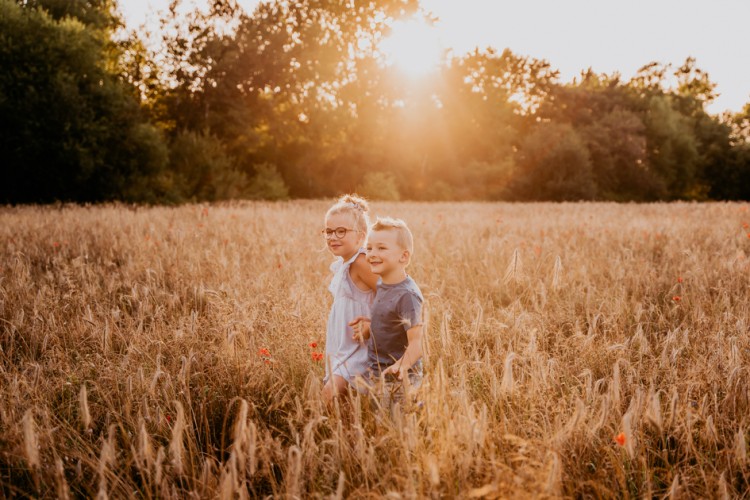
405 255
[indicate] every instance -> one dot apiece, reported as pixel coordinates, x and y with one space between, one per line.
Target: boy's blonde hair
404 237
354 205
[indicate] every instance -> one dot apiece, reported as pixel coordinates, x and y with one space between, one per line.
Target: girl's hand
361 327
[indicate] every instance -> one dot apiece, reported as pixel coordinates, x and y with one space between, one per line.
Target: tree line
294 100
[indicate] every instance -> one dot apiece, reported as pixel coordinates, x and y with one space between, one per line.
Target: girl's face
341 237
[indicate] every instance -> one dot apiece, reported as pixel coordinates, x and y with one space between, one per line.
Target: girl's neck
347 257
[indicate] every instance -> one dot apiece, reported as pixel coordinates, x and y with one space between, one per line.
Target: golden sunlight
413 47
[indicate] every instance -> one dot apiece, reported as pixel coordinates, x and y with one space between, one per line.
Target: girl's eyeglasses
339 232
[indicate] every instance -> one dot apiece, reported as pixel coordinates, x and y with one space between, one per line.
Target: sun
413 47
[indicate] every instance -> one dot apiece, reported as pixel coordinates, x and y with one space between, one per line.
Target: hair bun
355 201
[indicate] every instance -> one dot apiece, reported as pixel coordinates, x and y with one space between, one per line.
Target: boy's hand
361 327
396 369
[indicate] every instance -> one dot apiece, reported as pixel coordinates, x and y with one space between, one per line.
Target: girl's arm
413 354
362 275
361 327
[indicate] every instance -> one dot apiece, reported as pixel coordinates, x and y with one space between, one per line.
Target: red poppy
264 352
317 356
169 417
677 298
313 344
679 279
620 439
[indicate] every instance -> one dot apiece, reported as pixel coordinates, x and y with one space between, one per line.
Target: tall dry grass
131 359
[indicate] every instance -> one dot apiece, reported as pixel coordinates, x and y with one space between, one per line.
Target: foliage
69 128
555 165
202 170
268 184
379 186
88 112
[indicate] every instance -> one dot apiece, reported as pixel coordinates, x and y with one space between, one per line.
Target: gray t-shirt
396 309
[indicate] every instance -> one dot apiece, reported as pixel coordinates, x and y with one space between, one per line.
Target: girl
353 288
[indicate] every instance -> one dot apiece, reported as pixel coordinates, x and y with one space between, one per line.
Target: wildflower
745 225
169 417
264 352
56 244
679 279
677 298
313 344
620 439
317 356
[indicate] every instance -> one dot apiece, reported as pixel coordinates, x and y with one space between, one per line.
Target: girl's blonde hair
355 205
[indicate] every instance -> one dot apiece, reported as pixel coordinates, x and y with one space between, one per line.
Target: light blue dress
345 356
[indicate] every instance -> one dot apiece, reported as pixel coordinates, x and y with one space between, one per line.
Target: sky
574 35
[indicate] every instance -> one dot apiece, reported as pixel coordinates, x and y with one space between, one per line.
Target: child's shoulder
411 288
361 274
360 265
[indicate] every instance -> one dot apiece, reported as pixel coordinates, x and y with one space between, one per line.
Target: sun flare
413 47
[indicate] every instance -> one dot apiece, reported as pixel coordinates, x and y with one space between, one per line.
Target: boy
394 330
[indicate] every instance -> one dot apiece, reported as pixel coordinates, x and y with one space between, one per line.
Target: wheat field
573 350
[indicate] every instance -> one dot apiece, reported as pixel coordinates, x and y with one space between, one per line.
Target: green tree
553 164
268 184
70 129
379 186
97 14
599 108
201 170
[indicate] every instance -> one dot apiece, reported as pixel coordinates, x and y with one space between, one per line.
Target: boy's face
385 255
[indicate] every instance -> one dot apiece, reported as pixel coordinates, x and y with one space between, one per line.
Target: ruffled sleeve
339 268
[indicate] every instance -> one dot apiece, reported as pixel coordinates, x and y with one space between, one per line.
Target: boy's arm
411 356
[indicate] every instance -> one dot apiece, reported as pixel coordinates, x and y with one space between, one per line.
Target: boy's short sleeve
409 310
